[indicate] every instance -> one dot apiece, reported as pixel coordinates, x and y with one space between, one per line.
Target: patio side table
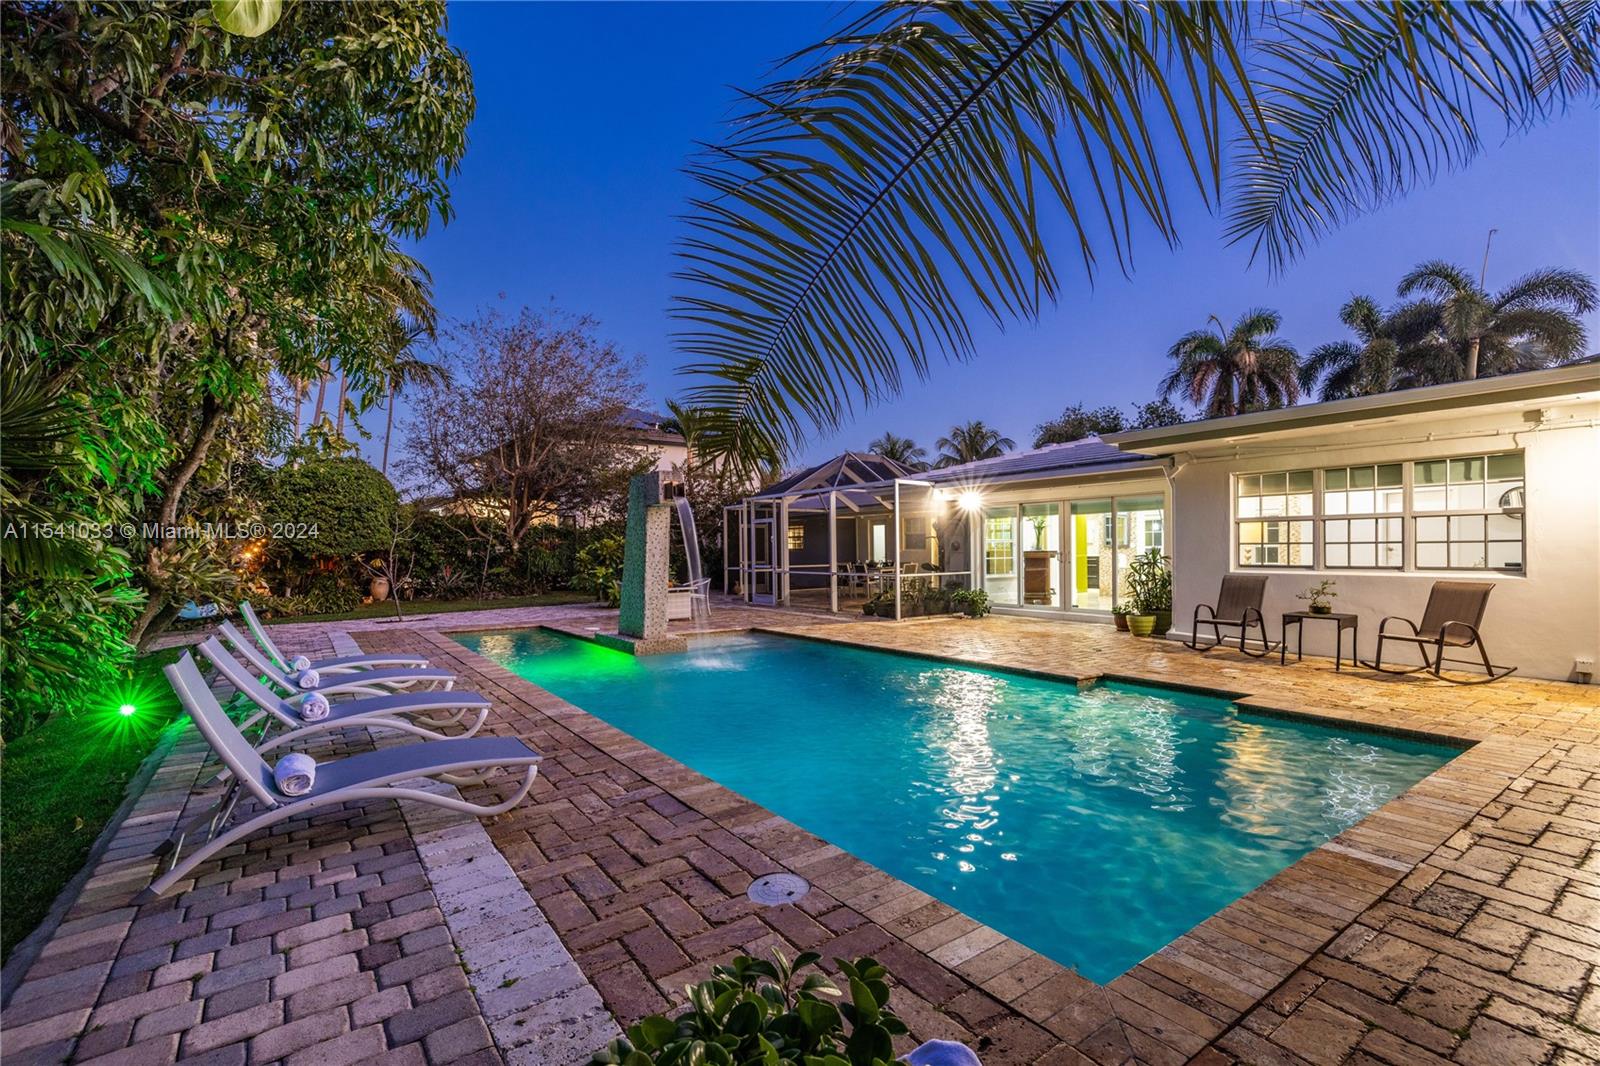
1345 621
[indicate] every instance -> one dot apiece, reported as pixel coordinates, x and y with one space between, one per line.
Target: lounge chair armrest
1211 611
1383 626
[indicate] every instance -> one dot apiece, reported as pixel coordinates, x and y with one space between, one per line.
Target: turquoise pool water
1092 826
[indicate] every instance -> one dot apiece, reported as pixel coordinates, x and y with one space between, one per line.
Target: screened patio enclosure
1049 532
857 528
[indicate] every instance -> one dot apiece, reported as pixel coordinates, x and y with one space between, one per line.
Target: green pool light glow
127 710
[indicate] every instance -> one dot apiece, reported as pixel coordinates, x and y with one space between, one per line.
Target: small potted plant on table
1319 597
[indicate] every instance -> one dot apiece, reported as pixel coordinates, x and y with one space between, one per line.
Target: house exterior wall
1539 620
670 459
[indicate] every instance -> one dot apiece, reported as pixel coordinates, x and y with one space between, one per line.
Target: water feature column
646 561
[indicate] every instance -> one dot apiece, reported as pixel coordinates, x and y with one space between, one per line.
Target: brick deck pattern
1459 923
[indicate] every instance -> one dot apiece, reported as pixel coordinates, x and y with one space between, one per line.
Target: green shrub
331 593
973 602
335 506
598 569
760 1013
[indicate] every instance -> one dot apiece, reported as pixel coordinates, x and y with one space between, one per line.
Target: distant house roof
648 425
1532 386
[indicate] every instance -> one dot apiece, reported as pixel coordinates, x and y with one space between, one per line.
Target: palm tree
1230 371
1362 367
408 368
914 167
970 442
902 450
1533 322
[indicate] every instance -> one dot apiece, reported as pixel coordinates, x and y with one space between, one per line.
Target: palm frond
908 171
1364 102
1551 286
907 176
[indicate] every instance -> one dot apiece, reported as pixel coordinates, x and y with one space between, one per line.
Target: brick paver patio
1460 922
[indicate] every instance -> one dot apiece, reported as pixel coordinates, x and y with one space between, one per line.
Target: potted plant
1160 591
379 588
1319 597
1119 615
1149 593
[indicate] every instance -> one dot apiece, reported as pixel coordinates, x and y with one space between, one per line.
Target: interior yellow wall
1080 553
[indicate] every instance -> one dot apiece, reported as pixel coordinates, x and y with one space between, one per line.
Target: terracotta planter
1122 622
380 589
1141 625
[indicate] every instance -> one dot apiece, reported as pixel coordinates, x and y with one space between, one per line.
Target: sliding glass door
1092 562
1041 554
1000 555
1072 554
1140 525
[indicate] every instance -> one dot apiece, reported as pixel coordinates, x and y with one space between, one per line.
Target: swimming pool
1094 826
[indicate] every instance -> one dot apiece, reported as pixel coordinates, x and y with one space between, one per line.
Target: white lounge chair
393 711
356 682
370 775
340 664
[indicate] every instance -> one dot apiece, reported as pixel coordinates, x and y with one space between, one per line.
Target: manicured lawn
62 782
416 607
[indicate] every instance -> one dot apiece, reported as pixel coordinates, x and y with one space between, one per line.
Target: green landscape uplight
127 710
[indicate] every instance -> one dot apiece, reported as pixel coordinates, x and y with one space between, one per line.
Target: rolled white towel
295 773
315 707
300 664
942 1053
308 679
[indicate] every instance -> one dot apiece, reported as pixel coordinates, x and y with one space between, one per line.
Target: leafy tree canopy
189 218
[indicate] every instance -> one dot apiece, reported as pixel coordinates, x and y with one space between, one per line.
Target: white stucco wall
1540 620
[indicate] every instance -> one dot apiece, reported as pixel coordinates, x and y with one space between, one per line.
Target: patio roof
1088 457
848 470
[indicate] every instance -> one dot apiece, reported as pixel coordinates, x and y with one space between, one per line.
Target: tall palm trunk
343 383
1472 357
388 428
322 395
300 387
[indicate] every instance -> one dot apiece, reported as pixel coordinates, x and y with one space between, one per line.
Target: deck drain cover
774 890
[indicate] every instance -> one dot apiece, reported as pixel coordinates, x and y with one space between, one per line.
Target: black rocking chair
1238 607
1451 619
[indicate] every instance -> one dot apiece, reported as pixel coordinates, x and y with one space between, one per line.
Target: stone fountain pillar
646 568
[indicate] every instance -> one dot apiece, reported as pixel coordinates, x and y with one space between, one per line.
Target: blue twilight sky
571 189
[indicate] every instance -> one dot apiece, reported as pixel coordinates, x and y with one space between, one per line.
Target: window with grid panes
1467 512
1363 523
1273 515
